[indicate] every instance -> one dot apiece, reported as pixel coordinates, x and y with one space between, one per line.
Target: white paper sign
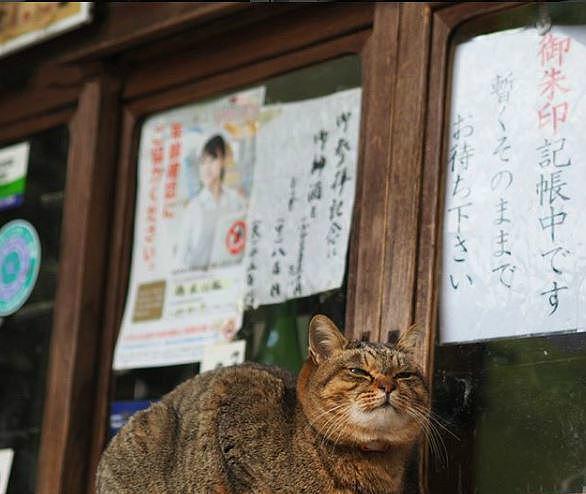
514 240
195 172
223 355
6 456
302 199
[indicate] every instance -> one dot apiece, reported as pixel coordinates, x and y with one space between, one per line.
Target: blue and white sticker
20 259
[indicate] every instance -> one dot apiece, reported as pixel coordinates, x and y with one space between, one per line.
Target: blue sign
20 258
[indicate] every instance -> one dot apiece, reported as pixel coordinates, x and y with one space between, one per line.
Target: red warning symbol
236 237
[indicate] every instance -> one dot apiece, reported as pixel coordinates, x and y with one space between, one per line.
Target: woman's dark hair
215 147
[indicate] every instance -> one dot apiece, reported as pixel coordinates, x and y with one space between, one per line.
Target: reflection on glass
25 335
280 341
518 408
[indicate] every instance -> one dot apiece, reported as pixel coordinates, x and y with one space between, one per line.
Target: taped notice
302 199
195 172
223 355
514 242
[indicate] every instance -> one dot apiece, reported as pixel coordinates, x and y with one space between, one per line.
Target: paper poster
195 173
302 199
20 259
223 355
26 23
514 242
13 168
6 456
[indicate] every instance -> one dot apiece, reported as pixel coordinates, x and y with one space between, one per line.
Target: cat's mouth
387 404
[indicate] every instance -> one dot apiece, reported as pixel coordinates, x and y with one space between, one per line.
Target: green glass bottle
280 341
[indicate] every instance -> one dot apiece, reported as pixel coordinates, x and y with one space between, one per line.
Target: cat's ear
410 340
325 339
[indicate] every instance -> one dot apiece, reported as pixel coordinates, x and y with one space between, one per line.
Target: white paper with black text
514 236
302 199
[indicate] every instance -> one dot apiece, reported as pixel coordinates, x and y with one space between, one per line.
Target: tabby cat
349 425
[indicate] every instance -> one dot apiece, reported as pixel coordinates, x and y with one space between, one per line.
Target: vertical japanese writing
155 175
341 178
292 194
553 159
553 110
500 182
459 160
173 169
278 256
297 270
252 264
550 188
315 194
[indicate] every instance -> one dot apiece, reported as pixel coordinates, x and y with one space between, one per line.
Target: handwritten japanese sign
514 245
302 199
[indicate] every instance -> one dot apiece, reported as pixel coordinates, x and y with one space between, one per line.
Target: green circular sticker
20 258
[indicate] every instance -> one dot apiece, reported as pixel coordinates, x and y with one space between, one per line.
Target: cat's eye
404 375
355 371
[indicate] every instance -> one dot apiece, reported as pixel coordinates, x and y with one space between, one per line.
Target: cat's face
363 393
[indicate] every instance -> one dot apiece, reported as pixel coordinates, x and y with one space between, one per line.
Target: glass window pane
293 316
26 334
515 402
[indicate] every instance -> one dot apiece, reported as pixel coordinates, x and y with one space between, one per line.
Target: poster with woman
195 173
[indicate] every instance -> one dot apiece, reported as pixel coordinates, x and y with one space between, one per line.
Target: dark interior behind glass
25 335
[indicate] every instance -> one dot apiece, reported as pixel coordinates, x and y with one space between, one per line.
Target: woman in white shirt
207 212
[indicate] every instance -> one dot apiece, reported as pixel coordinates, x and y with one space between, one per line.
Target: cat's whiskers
332 423
314 421
336 411
371 405
428 433
432 435
436 419
340 429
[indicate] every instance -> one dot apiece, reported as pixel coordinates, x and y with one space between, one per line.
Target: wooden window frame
444 21
384 239
147 92
103 80
87 112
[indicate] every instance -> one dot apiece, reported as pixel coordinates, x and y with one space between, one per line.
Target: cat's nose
386 386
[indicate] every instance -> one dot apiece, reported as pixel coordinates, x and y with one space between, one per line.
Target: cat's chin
380 418
383 423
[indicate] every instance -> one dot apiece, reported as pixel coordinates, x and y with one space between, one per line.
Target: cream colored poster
27 23
195 173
